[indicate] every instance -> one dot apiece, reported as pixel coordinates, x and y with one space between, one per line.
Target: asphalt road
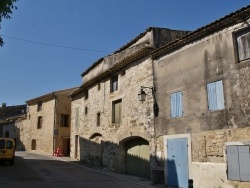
40 171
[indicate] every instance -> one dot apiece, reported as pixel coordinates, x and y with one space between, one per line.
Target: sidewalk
125 177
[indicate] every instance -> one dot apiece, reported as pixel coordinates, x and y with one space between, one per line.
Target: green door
137 157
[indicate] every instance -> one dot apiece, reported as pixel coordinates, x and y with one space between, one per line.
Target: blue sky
32 64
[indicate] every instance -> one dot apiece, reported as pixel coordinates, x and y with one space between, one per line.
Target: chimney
3 105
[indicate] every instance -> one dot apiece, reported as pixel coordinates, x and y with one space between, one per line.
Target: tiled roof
134 40
10 111
228 20
50 96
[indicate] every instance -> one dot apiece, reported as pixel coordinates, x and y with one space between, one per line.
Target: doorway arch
137 157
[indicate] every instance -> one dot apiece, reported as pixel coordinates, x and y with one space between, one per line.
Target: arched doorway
137 157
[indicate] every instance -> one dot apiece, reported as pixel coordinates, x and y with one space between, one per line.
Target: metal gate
177 162
137 157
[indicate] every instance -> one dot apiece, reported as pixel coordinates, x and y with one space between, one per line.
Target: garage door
137 157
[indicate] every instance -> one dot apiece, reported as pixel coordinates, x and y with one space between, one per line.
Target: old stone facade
48 122
110 126
202 83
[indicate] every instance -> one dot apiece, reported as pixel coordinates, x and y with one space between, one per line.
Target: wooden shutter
215 96
244 163
233 163
243 41
176 104
77 117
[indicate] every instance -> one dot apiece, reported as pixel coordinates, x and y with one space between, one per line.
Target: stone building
203 88
48 122
10 118
110 126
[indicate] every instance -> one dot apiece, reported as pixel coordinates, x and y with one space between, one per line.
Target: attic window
86 94
243 44
39 106
98 86
123 72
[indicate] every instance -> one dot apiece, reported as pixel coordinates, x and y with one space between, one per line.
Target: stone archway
137 157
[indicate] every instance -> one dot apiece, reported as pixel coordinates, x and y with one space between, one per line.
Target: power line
55 45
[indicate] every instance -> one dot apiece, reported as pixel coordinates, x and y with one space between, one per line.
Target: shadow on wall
130 157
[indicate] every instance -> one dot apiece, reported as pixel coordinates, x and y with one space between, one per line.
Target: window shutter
215 96
176 104
244 46
233 163
244 160
77 117
220 95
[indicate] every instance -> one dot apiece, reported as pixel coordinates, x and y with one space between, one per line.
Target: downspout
54 126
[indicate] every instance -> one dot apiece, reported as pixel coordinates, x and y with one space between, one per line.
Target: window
86 94
215 96
116 111
114 83
39 122
123 73
243 44
98 86
64 120
176 105
238 162
33 144
39 106
98 119
86 110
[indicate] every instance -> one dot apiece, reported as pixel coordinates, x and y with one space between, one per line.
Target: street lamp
142 97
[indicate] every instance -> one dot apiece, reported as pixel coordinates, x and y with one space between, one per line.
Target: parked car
7 150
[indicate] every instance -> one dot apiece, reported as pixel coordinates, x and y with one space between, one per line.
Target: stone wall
137 117
43 136
209 160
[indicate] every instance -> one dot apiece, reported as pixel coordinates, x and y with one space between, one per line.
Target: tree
6 7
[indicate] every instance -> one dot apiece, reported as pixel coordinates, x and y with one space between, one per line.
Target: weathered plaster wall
189 69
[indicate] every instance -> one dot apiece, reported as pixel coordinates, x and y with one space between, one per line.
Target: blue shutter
176 104
220 95
233 163
215 96
244 160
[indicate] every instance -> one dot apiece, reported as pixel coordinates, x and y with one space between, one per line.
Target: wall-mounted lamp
142 97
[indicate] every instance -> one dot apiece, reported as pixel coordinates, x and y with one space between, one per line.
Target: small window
64 120
98 119
215 96
176 109
98 86
243 44
238 162
39 122
86 94
33 144
39 106
116 111
123 73
114 83
86 110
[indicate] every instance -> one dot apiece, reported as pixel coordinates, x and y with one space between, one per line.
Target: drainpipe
155 141
54 126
